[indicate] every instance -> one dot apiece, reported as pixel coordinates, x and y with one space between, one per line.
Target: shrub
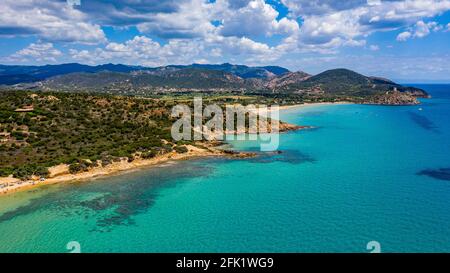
23 172
80 166
41 172
5 172
181 149
167 148
77 167
149 154
18 135
106 160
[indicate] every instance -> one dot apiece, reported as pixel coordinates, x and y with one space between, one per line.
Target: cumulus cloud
419 30
404 36
215 30
140 49
145 51
397 14
36 52
194 19
323 29
350 20
191 19
257 18
49 20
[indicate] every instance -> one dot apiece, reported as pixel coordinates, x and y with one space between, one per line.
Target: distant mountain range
13 74
138 80
243 71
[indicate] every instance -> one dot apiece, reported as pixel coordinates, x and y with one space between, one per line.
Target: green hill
331 85
142 82
349 83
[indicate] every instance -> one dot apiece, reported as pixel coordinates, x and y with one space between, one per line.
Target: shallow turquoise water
366 173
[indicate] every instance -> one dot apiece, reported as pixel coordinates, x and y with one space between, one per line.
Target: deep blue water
366 173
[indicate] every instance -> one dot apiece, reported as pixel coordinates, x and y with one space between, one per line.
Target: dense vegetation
77 129
242 71
146 82
348 83
206 78
341 83
39 130
68 124
12 74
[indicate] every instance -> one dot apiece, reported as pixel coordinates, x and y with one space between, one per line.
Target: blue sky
405 40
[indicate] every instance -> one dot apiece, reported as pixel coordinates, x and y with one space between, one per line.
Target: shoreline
312 104
304 105
61 174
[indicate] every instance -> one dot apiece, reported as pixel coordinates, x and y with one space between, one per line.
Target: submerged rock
440 174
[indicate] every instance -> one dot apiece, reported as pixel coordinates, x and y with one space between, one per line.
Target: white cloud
140 49
239 31
374 47
257 18
242 47
191 19
323 29
49 20
144 51
419 30
404 36
36 52
324 21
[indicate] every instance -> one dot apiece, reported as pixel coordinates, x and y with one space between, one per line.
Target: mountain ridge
14 74
334 84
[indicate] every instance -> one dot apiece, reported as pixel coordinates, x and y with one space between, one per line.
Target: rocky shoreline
61 173
396 98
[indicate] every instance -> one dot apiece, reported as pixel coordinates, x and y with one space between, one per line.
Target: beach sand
61 172
286 107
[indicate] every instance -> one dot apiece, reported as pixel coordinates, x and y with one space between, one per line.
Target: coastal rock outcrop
393 98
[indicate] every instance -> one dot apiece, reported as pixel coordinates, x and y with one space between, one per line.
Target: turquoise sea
366 173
